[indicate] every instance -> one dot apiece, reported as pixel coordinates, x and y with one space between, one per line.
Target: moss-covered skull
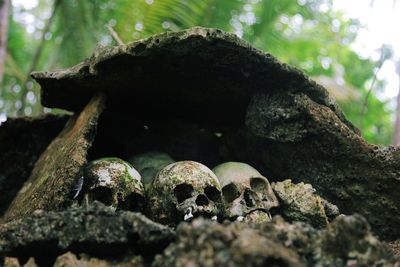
247 194
115 183
184 190
150 164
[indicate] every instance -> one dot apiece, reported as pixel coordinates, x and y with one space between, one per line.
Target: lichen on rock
348 242
71 260
95 230
299 202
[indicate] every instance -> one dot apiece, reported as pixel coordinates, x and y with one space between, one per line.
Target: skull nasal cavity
133 202
249 198
202 200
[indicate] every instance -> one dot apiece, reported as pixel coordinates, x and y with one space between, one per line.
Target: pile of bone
169 192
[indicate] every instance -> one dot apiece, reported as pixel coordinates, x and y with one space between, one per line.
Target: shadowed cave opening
210 142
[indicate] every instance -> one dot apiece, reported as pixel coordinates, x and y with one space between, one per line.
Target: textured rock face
308 142
299 202
22 140
70 260
348 242
97 236
55 172
286 124
96 230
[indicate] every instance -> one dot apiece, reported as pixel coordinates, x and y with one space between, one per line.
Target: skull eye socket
258 184
230 192
212 193
102 194
183 192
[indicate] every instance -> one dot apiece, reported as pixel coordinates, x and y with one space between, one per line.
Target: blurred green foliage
304 33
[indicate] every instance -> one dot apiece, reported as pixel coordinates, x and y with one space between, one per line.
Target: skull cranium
149 164
247 194
184 190
115 183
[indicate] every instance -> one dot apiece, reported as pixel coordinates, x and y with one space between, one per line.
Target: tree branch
371 88
115 35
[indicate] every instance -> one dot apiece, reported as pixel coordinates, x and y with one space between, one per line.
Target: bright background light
27 4
381 19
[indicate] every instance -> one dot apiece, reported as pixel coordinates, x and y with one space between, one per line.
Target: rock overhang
198 74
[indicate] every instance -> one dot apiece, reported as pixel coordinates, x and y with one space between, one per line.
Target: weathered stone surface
71 260
299 202
298 138
395 247
22 140
53 177
347 243
102 237
96 230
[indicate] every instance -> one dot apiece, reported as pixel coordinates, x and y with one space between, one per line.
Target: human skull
115 183
247 194
150 164
184 190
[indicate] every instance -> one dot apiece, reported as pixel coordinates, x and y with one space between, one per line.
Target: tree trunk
396 138
4 8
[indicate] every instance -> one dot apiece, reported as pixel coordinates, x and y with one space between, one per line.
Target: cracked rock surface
348 242
97 236
96 230
299 202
